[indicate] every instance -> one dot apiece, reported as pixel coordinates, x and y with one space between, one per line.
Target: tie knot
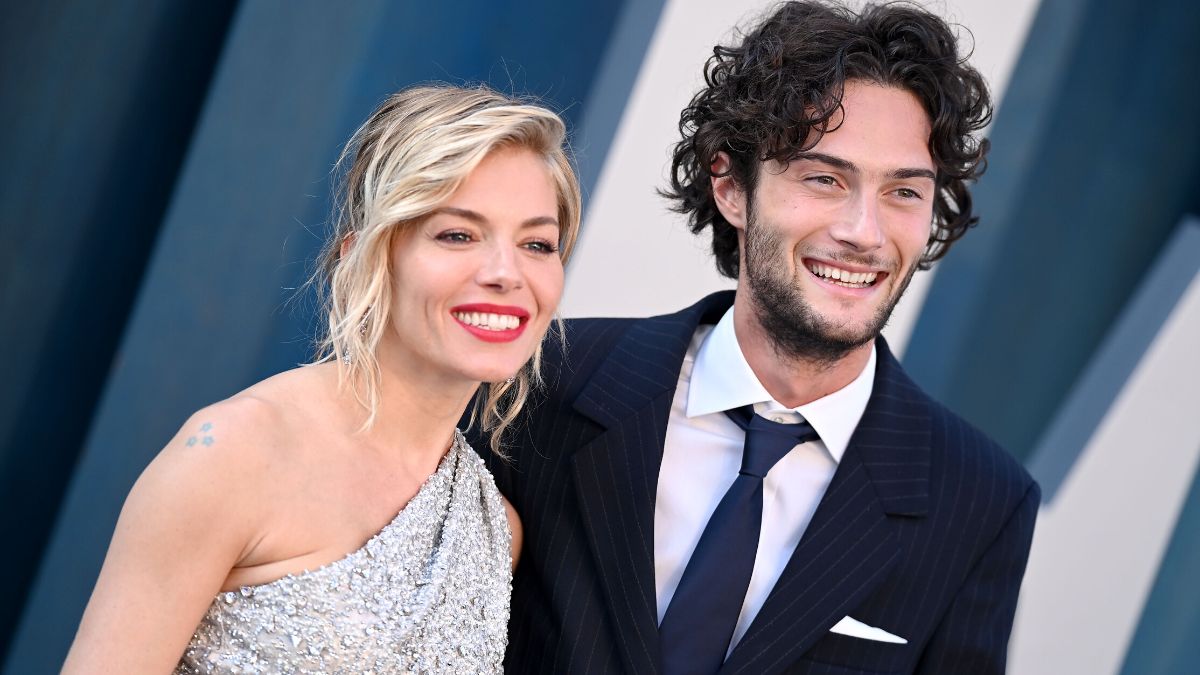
766 441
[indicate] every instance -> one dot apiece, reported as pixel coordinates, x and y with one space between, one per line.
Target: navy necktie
699 623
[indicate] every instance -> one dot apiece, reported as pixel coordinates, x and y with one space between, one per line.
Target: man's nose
860 227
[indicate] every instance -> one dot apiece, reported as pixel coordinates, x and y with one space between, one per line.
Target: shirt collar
721 379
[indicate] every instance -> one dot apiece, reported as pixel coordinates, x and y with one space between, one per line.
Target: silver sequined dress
428 594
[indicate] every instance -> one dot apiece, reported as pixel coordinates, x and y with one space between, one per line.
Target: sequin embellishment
428 594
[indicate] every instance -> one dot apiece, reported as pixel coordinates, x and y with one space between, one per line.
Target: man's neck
791 380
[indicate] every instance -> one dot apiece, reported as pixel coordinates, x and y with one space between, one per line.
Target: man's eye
829 181
908 193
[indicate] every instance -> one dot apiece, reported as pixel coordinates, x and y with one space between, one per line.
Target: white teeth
844 277
488 321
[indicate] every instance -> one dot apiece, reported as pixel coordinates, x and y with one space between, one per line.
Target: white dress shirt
703 454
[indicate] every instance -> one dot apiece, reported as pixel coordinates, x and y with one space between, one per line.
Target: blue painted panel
1093 395
1097 157
606 100
97 104
210 286
1165 642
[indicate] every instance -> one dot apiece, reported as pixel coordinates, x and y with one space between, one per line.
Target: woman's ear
347 242
728 194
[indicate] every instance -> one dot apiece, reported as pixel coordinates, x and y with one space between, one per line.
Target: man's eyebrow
902 174
479 219
850 167
836 162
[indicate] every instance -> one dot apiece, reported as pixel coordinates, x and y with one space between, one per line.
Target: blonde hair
408 158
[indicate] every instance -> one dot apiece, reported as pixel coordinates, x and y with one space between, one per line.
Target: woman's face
475 285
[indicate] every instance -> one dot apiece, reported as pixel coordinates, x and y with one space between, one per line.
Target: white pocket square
858 629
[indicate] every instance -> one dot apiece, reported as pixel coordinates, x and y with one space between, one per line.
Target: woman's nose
500 269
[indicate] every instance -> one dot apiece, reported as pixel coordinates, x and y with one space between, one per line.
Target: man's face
830 241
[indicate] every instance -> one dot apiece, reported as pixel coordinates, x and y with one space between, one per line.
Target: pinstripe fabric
923 531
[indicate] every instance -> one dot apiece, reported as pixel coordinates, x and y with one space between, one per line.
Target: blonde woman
331 518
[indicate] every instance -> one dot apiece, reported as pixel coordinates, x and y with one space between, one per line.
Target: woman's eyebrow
468 214
480 219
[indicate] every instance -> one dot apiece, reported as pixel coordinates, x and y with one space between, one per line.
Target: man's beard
793 327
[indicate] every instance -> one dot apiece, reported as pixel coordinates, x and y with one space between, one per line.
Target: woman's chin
495 375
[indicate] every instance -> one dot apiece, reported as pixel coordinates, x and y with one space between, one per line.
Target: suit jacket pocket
836 654
809 667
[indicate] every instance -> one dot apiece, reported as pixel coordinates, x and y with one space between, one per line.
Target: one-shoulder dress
428 594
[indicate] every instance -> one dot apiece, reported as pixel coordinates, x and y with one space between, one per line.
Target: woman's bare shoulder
236 434
205 470
197 510
253 425
225 455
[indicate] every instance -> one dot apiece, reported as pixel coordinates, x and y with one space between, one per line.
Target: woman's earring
362 330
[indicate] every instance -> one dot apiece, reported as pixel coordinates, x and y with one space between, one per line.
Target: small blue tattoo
202 437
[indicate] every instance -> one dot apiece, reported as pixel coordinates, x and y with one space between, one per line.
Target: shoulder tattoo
203 436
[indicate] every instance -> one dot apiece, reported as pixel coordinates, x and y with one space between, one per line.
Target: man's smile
842 276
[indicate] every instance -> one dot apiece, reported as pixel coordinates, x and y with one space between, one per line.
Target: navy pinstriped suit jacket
924 530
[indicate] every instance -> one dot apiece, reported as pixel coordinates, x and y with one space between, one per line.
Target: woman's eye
541 246
454 237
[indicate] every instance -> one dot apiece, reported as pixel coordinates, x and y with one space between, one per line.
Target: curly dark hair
781 86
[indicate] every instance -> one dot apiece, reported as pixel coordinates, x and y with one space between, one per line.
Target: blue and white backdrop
165 186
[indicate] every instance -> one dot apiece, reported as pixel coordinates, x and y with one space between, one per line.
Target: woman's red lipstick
491 323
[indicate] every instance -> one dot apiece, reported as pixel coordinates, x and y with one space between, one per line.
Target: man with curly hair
753 484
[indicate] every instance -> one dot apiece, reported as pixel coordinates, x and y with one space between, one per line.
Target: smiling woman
331 518
386 193
495 239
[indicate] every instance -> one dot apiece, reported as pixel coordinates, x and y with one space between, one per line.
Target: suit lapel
616 473
852 541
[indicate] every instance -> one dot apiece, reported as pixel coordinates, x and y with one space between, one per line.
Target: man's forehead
879 128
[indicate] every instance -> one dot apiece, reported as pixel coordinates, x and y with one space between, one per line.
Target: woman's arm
514 525
187 521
